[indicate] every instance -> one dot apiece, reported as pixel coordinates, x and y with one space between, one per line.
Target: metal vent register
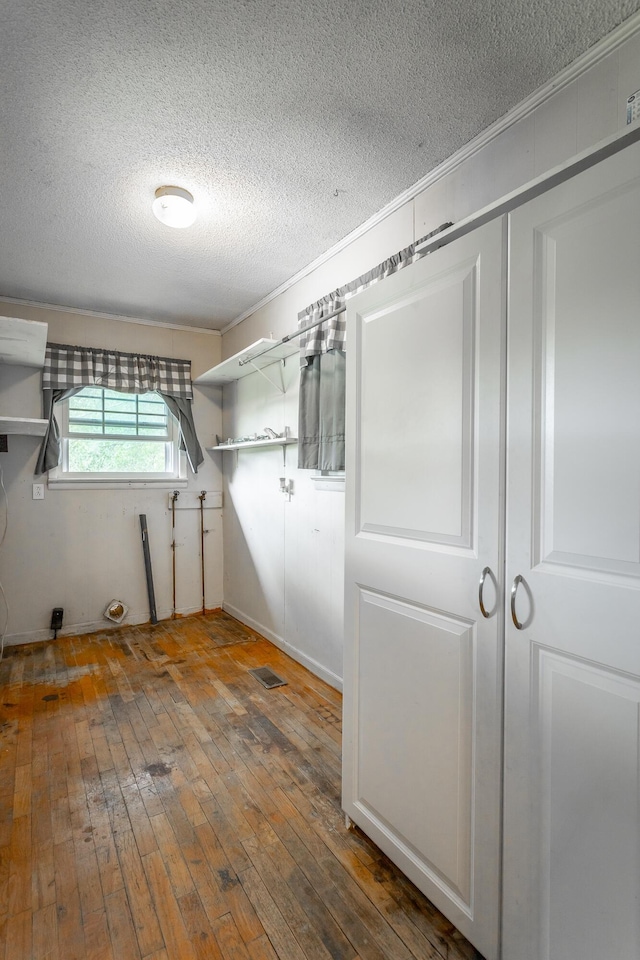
267 677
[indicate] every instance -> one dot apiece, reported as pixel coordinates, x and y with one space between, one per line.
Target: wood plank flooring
157 803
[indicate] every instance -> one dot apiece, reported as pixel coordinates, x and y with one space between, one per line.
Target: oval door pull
483 576
514 590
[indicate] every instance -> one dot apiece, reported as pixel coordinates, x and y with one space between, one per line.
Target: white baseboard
316 668
92 626
133 617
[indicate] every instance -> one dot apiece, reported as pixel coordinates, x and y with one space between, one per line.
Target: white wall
284 561
79 549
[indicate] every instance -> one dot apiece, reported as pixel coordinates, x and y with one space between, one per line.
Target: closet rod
445 234
291 336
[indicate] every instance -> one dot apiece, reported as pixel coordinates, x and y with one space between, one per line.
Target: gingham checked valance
66 367
332 335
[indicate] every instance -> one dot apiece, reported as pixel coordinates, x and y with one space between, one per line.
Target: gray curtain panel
49 456
322 365
321 412
180 408
67 369
322 386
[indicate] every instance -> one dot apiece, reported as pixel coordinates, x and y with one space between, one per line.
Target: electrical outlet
38 491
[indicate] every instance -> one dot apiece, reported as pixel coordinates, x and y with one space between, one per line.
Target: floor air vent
268 678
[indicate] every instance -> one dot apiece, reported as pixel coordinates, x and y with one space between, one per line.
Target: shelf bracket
279 386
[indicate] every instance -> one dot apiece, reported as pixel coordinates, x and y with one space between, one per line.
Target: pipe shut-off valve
286 486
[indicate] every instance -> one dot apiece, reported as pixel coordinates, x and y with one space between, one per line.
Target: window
115 437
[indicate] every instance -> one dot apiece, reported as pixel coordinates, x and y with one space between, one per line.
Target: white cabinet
525 473
22 343
423 668
572 731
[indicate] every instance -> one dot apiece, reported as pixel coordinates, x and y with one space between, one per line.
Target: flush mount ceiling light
174 207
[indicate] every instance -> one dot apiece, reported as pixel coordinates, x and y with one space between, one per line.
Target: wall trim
316 668
92 626
572 72
109 316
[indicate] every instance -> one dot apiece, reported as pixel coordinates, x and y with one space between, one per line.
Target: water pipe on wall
202 497
174 497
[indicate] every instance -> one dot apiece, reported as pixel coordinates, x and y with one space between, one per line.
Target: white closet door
422 710
572 747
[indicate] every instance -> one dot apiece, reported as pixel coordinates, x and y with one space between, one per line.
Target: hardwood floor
157 803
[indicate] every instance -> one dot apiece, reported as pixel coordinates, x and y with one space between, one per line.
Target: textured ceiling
291 122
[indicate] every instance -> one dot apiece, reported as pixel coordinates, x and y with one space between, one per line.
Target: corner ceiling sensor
174 207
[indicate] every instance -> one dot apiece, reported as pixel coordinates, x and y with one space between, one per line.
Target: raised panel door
423 669
572 745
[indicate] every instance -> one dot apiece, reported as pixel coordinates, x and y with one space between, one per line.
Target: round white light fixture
174 207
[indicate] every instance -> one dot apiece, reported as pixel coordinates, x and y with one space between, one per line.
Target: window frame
175 476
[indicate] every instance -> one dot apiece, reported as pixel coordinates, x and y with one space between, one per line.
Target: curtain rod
528 191
292 336
343 293
119 353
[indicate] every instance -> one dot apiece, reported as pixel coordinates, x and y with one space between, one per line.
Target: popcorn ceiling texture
291 122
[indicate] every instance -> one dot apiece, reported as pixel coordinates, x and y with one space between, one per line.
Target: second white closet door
572 715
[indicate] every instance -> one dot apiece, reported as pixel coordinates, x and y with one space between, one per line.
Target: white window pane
114 395
114 429
158 409
91 415
119 416
83 402
122 403
158 419
148 421
123 434
85 428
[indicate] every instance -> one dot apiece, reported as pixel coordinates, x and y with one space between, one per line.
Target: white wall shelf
253 444
22 342
232 369
23 426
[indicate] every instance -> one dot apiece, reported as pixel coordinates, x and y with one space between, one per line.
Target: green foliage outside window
115 456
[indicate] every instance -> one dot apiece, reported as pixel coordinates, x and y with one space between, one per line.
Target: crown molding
109 316
572 72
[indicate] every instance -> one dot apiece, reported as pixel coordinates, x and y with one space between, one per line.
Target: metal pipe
292 336
174 497
201 498
416 247
147 568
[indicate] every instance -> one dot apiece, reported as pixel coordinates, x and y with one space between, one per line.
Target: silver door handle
514 590
483 576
